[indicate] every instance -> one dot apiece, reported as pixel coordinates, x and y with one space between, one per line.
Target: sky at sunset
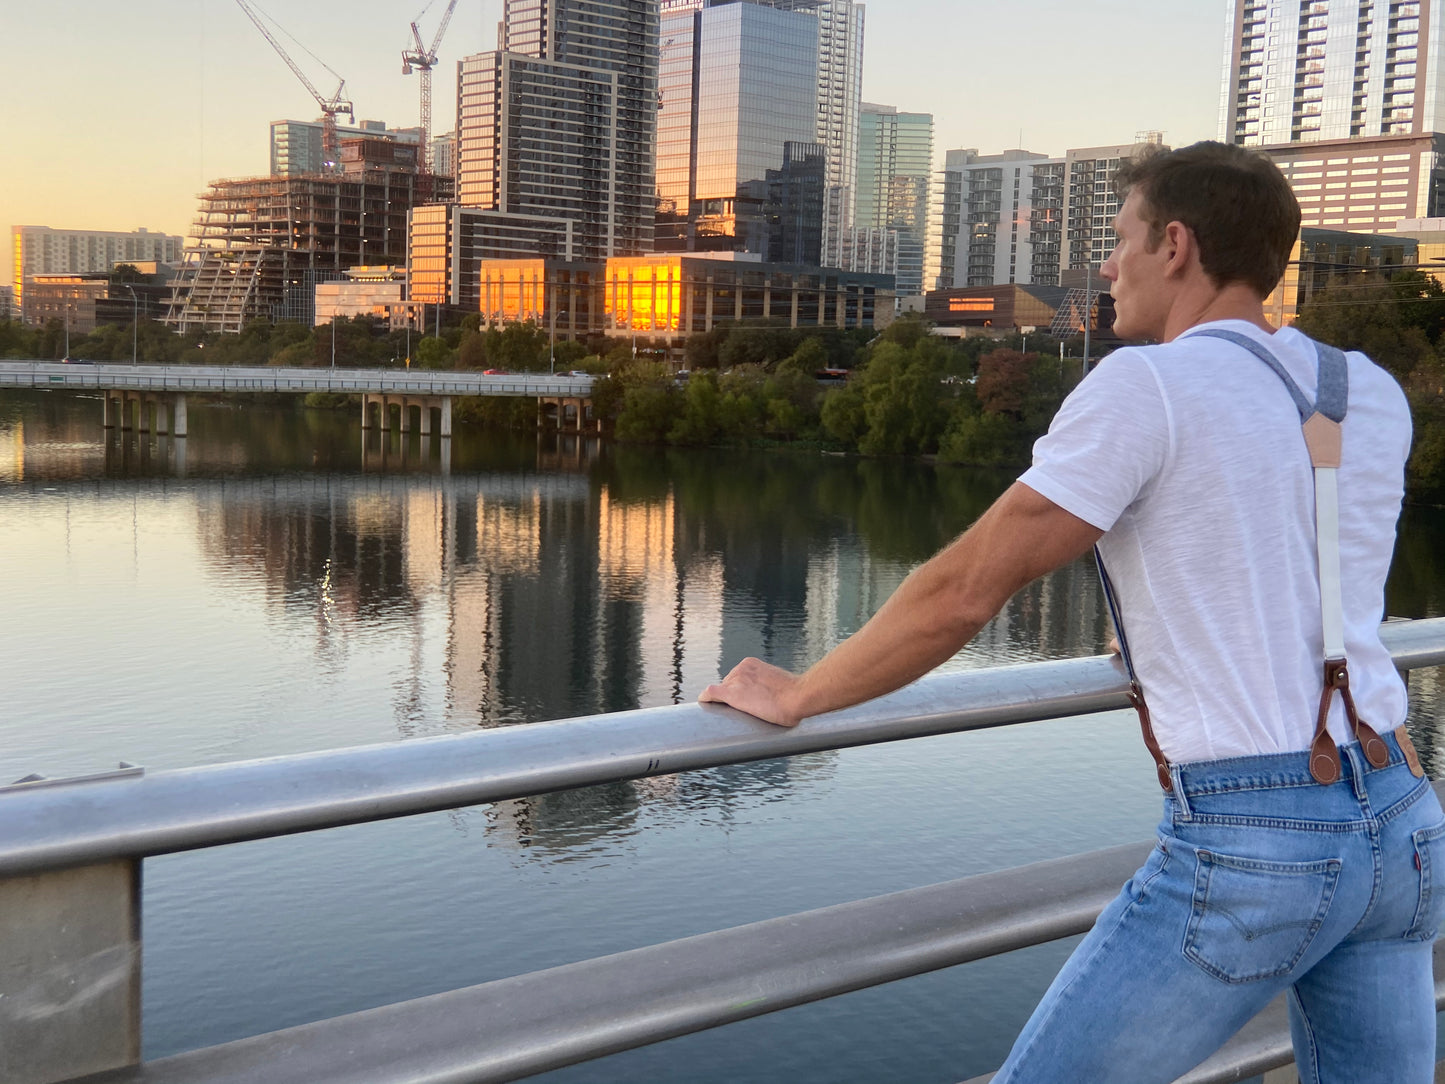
118 114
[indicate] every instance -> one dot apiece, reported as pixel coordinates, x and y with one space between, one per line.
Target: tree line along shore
902 392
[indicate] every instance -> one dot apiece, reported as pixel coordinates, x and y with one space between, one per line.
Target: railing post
70 969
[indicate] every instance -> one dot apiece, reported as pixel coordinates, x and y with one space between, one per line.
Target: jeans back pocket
1429 860
1253 919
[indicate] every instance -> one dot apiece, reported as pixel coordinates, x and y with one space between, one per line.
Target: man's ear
1181 246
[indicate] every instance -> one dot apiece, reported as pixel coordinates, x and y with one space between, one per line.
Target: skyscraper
1343 95
561 120
738 83
1330 69
840 96
895 169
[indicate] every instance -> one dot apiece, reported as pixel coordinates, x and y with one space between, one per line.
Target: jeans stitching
1326 827
1199 905
1312 1048
1403 805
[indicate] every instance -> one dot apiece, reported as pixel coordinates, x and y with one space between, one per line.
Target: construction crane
330 107
423 60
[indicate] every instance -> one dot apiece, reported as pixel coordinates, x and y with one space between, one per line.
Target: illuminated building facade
1001 308
1365 185
673 295
738 82
1321 258
895 171
40 250
448 243
561 122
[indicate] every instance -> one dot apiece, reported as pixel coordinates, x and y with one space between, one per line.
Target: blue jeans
1262 881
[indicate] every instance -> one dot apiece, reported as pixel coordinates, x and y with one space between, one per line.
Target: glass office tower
895 167
738 83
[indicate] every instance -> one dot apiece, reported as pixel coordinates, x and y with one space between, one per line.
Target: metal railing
510 1028
199 378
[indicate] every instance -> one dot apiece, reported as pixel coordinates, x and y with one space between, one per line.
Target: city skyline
160 98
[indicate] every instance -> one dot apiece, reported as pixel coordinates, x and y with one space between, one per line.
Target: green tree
433 353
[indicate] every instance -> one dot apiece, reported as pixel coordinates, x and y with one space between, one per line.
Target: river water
275 583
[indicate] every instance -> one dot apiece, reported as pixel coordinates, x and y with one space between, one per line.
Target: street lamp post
134 322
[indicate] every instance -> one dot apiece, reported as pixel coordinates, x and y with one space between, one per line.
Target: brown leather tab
1325 760
1337 676
1407 747
1161 766
1374 747
1324 440
1324 754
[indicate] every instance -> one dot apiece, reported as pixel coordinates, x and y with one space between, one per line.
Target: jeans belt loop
1175 776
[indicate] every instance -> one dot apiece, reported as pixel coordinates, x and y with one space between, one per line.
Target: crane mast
422 60
330 107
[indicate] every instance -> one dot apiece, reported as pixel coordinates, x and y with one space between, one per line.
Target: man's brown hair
1243 214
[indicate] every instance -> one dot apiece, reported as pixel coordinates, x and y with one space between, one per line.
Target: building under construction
259 246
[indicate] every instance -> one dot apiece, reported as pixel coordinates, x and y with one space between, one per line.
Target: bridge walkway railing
70 894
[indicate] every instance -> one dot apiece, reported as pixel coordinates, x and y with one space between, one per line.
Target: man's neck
1235 301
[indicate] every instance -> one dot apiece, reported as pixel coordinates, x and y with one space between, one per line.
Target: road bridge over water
152 398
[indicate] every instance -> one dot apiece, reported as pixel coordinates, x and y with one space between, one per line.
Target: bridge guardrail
523 1025
184 378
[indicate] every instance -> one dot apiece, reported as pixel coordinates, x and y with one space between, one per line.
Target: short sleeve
1106 444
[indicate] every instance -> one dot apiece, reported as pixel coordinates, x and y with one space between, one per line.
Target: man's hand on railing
758 688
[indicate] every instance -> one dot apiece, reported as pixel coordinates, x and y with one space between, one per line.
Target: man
1297 847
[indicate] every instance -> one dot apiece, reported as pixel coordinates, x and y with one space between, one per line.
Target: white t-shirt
1189 456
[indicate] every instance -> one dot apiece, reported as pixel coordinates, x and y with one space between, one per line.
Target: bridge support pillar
178 416
365 411
447 419
426 405
112 410
70 950
406 405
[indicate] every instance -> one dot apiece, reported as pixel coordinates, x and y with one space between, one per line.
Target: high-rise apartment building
296 145
738 82
1343 94
561 120
1307 70
1001 219
444 154
40 250
1090 202
895 170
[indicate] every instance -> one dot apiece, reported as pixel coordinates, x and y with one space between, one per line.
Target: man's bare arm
935 611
